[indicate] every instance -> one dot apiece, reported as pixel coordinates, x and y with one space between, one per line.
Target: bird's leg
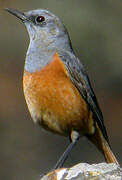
74 138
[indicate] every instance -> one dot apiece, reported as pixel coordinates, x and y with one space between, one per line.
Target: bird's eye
40 19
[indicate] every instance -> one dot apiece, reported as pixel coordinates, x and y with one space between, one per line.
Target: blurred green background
96 32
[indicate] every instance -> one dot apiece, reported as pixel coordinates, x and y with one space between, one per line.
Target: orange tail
103 146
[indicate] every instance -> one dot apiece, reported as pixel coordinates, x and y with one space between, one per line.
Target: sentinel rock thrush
56 86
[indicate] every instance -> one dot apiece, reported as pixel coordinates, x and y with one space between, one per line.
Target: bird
56 86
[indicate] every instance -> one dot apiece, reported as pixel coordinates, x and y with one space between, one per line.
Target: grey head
47 35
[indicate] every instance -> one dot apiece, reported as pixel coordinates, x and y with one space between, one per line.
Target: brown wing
80 79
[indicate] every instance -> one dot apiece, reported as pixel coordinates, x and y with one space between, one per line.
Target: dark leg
62 159
74 138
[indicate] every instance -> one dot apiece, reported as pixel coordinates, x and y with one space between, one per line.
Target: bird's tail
98 139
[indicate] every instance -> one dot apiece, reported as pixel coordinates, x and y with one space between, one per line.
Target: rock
84 171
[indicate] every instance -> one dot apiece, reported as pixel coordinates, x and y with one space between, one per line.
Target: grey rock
84 171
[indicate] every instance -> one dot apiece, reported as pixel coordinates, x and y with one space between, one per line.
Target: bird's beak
17 13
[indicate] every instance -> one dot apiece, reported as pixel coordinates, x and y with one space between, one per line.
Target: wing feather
80 79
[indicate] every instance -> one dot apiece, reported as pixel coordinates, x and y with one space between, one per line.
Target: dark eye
40 19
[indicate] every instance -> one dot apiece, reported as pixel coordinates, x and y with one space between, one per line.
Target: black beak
17 13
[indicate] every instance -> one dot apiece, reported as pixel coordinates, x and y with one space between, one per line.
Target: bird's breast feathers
53 100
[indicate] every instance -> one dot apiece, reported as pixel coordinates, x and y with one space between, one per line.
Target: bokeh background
96 33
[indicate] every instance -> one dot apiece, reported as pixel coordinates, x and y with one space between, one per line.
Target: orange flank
54 101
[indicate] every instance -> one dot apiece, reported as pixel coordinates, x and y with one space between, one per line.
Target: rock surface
84 171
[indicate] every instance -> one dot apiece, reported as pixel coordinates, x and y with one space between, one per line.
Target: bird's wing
81 81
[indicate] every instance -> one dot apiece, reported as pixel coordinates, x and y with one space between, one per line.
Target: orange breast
53 100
